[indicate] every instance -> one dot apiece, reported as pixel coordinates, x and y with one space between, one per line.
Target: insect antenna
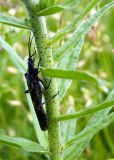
29 45
30 42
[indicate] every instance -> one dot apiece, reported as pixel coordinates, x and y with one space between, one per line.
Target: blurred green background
97 57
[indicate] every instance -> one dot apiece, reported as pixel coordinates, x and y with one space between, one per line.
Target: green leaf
80 114
19 63
68 61
71 49
13 37
97 122
83 138
68 74
68 128
82 29
70 27
43 4
47 3
52 9
23 143
13 21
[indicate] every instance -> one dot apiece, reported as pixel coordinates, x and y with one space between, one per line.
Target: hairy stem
39 28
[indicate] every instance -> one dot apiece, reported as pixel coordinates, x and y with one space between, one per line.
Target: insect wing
36 96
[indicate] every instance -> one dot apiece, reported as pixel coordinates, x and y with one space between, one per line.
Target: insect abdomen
36 96
42 118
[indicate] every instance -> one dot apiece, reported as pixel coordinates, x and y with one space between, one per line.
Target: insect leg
46 87
27 91
30 43
33 54
48 84
51 98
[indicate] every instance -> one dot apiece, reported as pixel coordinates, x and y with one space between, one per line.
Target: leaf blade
95 124
87 136
69 74
13 21
80 114
82 29
68 61
52 9
68 127
74 22
23 143
19 63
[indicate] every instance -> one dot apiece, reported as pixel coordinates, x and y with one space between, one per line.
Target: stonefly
35 89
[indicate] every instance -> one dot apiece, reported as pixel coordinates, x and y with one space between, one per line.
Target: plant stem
39 28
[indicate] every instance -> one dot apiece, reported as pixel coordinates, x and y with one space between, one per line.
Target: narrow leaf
13 21
19 63
82 29
80 114
23 143
50 10
74 22
56 8
46 3
43 4
97 122
70 56
68 61
83 138
68 74
68 128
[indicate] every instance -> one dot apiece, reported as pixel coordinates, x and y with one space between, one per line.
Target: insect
35 89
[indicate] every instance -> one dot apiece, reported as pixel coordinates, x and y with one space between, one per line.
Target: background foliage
97 57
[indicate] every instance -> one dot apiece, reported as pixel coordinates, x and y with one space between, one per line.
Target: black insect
35 89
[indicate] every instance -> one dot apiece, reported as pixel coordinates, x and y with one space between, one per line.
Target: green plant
67 57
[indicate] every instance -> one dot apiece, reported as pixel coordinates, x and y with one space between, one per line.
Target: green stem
80 114
39 28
